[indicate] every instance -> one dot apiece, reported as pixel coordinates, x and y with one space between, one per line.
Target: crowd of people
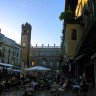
58 84
65 86
39 81
9 83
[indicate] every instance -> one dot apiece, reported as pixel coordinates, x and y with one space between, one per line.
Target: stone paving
20 92
43 93
92 92
13 93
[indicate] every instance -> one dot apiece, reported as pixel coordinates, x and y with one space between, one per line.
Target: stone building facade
10 51
84 47
48 56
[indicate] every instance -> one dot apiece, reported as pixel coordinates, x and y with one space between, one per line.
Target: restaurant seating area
9 77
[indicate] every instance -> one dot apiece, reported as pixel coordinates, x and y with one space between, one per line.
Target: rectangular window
74 34
24 44
51 64
57 63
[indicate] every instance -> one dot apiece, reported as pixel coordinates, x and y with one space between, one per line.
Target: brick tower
25 43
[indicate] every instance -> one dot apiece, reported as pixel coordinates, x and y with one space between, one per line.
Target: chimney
42 45
48 45
36 45
54 45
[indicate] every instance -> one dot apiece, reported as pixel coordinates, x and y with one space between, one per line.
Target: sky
43 15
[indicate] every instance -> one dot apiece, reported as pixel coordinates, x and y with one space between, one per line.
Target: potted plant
66 15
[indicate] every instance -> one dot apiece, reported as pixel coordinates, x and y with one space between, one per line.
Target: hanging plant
66 15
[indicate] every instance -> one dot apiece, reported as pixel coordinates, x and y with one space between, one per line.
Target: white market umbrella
6 65
37 68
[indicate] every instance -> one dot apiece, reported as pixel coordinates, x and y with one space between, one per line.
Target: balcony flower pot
66 15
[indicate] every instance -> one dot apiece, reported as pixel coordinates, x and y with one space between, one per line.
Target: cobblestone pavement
20 92
43 93
13 92
92 92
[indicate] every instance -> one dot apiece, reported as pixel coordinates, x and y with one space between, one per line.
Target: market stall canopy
37 68
6 65
16 70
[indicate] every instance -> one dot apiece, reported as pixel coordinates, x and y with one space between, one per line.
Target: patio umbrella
37 68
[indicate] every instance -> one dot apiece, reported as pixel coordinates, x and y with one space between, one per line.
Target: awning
6 65
37 68
83 58
16 70
80 56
